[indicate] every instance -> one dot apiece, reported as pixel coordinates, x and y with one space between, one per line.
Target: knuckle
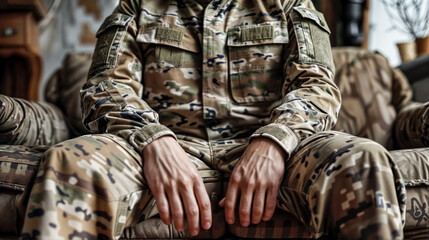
257 212
158 185
250 183
273 183
205 205
177 215
264 184
270 206
195 177
244 213
229 205
163 210
235 179
168 184
193 212
185 185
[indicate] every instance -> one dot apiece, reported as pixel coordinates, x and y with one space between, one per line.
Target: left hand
256 178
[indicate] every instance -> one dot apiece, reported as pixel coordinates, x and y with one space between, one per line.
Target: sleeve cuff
281 134
147 134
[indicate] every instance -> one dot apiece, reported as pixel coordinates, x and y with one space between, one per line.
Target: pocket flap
314 15
117 19
255 34
176 36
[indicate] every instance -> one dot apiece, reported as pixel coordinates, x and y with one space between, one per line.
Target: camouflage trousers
335 184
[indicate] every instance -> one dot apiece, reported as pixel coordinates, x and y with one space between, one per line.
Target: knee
358 180
350 151
72 157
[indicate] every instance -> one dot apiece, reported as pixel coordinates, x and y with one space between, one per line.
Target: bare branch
409 16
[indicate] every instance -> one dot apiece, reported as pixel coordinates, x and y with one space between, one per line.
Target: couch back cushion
64 86
365 82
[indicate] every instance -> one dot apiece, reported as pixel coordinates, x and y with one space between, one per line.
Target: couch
377 104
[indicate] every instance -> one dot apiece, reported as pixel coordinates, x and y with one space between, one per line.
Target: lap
109 161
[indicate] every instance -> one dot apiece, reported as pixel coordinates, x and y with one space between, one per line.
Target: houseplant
412 18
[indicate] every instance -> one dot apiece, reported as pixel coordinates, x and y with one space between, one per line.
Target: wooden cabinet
20 59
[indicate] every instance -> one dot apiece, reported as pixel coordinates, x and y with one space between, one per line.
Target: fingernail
194 232
230 220
245 224
207 225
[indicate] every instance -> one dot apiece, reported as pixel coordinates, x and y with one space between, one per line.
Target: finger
230 201
258 205
162 205
222 202
176 210
245 206
204 204
192 211
270 203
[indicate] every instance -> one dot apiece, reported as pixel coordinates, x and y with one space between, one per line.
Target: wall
382 37
72 29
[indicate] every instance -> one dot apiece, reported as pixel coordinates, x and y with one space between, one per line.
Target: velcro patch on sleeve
312 34
110 38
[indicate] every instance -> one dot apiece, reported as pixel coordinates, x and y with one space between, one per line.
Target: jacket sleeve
411 127
112 96
311 100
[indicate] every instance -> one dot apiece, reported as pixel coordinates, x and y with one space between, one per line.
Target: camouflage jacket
232 71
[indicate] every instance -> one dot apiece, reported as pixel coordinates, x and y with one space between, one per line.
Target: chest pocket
172 64
256 61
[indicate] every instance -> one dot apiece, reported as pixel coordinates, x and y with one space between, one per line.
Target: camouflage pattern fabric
214 79
80 188
413 164
235 69
31 123
93 187
63 87
18 167
411 129
370 91
377 101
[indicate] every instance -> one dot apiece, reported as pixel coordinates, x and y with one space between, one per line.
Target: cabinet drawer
12 29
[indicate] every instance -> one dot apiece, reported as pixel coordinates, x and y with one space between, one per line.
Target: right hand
175 184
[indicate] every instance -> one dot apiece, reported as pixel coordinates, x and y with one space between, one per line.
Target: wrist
266 142
159 143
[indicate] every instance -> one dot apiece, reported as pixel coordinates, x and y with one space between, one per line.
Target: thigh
101 165
335 182
90 185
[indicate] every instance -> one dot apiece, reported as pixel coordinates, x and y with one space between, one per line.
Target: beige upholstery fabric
64 86
372 93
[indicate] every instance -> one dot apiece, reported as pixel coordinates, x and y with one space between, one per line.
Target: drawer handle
9 32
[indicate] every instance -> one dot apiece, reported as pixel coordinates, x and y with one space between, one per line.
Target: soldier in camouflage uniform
240 86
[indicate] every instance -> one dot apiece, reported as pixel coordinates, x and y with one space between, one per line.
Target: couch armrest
411 127
27 123
416 70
